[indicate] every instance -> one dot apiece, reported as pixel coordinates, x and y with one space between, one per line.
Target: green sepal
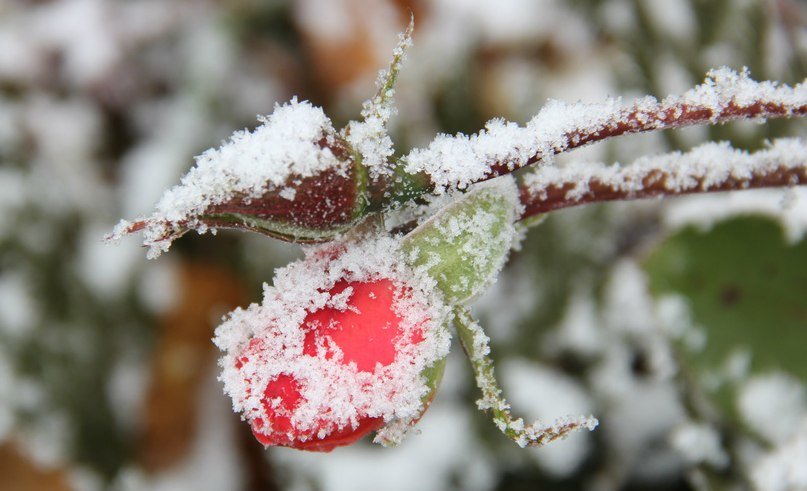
464 245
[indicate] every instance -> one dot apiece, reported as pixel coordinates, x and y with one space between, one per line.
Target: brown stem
660 116
565 187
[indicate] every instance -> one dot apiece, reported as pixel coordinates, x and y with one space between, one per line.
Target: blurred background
681 325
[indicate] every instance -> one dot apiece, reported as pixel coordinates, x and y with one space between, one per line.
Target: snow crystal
536 434
339 392
287 143
457 161
480 236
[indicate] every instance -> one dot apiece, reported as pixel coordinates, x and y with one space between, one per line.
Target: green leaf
746 286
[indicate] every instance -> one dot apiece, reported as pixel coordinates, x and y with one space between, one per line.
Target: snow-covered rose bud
293 177
346 342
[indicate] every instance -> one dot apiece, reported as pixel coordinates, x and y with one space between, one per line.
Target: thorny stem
630 182
475 343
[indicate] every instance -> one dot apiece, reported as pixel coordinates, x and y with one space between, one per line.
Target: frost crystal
464 245
476 344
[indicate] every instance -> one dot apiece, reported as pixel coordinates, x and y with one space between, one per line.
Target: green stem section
476 346
389 78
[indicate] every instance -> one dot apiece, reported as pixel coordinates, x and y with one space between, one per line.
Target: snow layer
288 143
707 166
457 161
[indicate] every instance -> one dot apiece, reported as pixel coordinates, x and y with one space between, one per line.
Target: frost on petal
333 395
291 177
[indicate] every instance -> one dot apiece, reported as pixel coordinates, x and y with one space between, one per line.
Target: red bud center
365 331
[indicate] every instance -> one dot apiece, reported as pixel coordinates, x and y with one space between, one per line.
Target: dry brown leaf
18 473
182 358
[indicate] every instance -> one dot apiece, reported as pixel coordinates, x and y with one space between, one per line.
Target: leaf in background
746 287
182 359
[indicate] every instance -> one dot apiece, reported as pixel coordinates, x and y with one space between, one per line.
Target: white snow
783 469
286 144
457 161
543 393
705 167
699 443
478 228
444 450
370 137
105 270
772 405
19 309
788 207
580 329
673 19
214 462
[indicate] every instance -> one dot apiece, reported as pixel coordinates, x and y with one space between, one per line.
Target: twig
475 343
458 161
708 168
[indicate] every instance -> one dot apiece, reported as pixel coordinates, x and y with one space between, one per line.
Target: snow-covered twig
475 343
707 168
369 137
502 147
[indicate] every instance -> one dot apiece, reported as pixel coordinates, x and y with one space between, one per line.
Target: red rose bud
292 178
347 342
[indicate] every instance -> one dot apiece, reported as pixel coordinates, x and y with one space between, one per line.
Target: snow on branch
709 167
501 147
